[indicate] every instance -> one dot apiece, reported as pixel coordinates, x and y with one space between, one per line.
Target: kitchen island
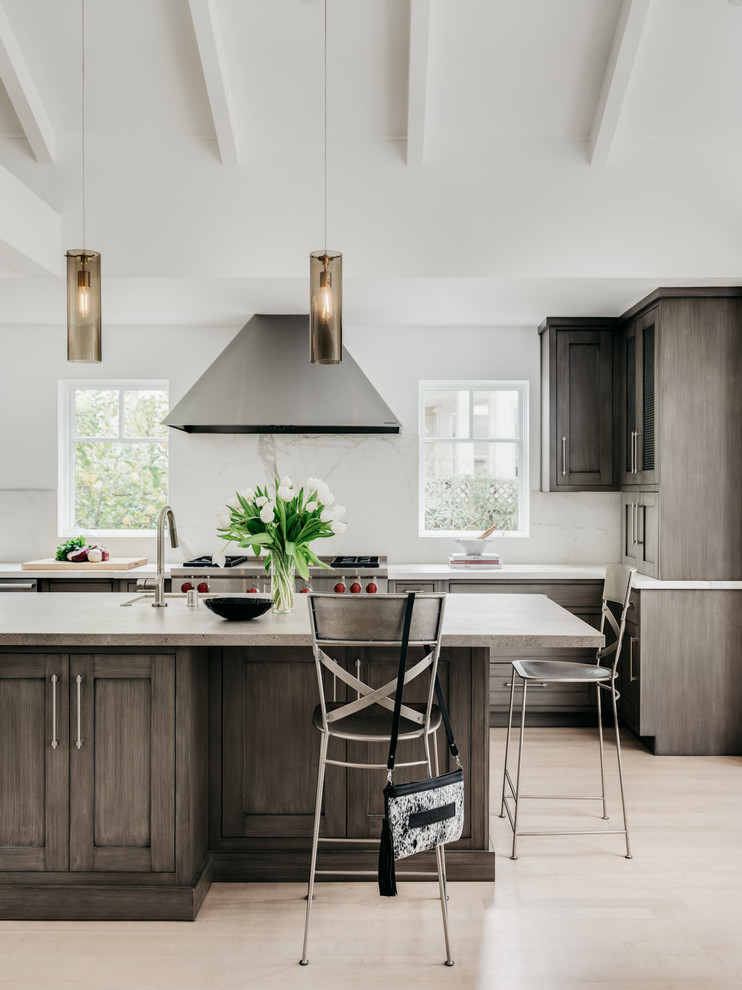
145 752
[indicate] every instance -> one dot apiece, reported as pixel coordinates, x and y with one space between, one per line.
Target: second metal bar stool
617 590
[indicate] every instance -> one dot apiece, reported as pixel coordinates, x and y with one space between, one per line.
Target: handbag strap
400 687
400 682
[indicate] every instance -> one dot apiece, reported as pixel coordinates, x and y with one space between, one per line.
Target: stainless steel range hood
263 382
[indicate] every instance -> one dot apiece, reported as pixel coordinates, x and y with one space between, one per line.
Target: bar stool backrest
375 620
617 589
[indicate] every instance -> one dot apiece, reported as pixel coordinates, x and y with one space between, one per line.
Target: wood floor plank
570 914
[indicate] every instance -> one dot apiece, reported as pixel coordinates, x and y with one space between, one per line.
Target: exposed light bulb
83 292
325 296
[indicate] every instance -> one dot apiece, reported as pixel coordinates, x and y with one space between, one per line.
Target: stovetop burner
207 561
355 562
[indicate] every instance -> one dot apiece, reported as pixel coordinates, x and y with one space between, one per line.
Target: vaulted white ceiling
489 161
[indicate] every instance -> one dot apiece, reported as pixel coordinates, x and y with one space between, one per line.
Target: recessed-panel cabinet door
584 410
640 449
34 756
270 748
122 763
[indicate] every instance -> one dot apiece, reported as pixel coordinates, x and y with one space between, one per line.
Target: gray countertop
414 572
493 621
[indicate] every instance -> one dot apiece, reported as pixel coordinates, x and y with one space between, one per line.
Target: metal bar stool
377 621
616 589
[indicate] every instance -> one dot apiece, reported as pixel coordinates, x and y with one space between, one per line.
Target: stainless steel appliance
354 575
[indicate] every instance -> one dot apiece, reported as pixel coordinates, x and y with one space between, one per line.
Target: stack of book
485 559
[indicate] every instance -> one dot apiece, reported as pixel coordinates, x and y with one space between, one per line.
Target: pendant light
83 274
326 284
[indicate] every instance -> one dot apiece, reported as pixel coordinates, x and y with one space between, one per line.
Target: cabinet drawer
541 696
401 587
577 596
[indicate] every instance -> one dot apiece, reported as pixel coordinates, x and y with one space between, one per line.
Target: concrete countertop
543 572
493 621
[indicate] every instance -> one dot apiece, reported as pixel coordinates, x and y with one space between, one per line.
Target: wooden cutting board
112 564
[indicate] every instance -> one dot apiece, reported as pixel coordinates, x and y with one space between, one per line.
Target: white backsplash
375 477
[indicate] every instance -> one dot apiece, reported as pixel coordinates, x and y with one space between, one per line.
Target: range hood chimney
263 382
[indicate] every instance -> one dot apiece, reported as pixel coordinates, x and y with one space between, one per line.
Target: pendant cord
83 125
325 55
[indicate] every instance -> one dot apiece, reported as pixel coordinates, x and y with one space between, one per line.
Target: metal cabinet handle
542 684
55 741
79 741
639 543
633 451
632 640
564 457
633 524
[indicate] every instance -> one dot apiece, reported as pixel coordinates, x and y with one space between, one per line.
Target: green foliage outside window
471 503
120 458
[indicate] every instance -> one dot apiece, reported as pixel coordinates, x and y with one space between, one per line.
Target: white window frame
66 473
522 441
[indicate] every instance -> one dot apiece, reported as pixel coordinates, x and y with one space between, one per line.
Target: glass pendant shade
326 307
83 306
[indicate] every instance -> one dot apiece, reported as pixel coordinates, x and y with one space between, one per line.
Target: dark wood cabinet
103 776
640 456
682 435
579 405
629 670
34 763
122 763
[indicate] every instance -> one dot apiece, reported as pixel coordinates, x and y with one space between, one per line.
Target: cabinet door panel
584 408
270 749
33 774
122 763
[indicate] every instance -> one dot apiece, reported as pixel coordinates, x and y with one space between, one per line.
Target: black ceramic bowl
238 608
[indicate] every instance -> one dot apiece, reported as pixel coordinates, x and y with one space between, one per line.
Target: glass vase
282 583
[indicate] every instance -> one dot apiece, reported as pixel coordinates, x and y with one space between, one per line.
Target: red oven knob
355 588
203 588
339 588
186 586
252 591
303 591
371 588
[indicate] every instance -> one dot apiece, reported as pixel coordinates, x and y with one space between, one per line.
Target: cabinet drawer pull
564 457
634 515
55 741
632 676
79 741
531 684
639 543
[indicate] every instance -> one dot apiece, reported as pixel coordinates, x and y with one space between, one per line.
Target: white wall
375 477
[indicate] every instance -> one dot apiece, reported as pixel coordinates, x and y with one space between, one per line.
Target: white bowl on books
475 548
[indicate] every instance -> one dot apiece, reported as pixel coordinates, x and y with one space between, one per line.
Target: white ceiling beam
23 94
30 230
417 91
211 50
631 20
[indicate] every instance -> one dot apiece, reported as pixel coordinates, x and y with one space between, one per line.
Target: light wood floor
570 914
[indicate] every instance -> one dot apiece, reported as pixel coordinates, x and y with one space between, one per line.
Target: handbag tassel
387 878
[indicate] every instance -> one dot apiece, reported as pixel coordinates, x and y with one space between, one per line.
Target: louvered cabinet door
640 453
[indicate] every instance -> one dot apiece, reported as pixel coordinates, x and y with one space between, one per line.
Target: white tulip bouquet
283 523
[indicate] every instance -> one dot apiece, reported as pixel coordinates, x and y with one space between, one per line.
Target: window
113 456
473 458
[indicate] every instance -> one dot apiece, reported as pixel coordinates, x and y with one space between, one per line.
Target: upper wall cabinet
640 456
579 401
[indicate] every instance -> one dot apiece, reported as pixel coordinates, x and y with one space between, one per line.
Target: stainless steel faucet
165 513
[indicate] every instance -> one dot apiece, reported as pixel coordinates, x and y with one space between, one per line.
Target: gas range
362 574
